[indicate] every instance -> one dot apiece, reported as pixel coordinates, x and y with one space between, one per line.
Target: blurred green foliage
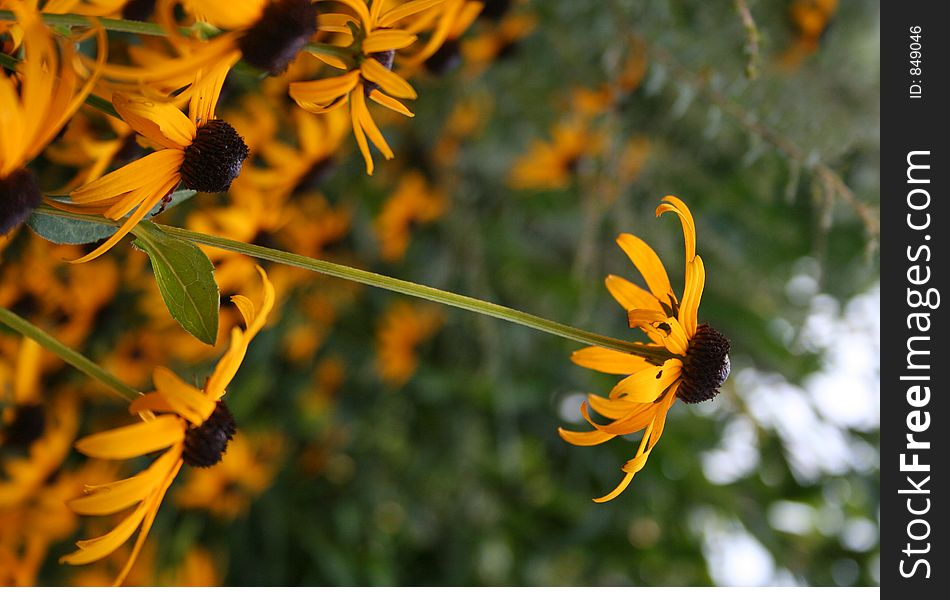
459 476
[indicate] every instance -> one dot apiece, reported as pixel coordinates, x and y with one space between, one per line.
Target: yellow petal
153 503
675 205
160 122
619 409
361 113
617 490
609 361
185 400
391 83
154 196
406 10
133 176
206 90
324 91
358 133
113 497
134 440
631 296
649 265
648 384
383 40
390 103
692 294
584 438
228 366
93 549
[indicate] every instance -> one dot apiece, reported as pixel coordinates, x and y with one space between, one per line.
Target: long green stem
397 285
66 353
70 20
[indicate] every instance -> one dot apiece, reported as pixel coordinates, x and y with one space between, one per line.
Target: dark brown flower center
447 58
706 366
138 10
206 444
19 195
214 158
27 426
283 30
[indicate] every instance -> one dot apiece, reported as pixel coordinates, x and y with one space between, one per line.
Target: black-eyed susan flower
700 360
193 426
199 151
374 39
266 34
35 103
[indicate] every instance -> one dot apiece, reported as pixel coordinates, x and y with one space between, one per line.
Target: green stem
408 288
123 25
66 353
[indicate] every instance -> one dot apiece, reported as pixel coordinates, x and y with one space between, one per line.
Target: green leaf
185 277
63 230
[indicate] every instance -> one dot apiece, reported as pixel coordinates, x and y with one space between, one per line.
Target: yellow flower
700 361
194 426
199 151
35 103
265 34
372 77
413 202
401 329
552 165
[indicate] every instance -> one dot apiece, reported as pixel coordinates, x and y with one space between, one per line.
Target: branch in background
752 37
747 120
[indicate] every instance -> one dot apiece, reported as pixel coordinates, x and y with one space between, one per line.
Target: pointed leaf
185 278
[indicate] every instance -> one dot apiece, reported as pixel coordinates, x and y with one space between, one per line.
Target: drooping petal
151 197
629 473
618 409
391 83
153 505
609 361
390 103
358 133
135 175
362 114
584 438
93 549
112 497
617 490
649 265
134 440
